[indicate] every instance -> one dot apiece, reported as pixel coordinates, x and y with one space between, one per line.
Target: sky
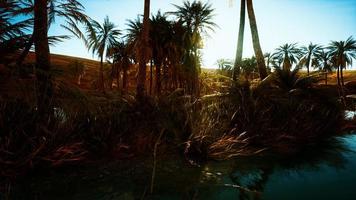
278 21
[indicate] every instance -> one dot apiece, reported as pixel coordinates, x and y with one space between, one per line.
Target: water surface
322 172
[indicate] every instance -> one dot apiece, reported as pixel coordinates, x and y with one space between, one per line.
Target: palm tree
256 42
289 54
42 53
197 17
99 38
121 54
269 59
161 36
72 11
225 67
289 80
343 52
324 59
133 37
310 52
240 41
141 79
249 66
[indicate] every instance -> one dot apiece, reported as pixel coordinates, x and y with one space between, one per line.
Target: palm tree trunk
101 75
42 55
118 75
140 90
158 79
338 76
240 41
124 80
113 74
151 76
256 42
308 64
342 77
342 84
326 77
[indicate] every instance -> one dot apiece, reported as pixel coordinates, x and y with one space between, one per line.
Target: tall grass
85 128
284 113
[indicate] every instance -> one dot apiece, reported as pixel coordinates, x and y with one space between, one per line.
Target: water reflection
250 176
324 171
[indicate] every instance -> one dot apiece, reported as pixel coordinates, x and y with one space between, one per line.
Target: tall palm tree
343 52
197 17
289 54
325 63
310 52
240 41
141 79
256 42
42 56
121 55
72 11
160 35
134 38
99 38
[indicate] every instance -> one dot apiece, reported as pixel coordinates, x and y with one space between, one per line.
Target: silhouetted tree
288 54
256 42
310 52
100 37
240 41
141 79
343 52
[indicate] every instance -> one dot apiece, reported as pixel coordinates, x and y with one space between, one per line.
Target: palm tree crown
100 37
343 51
310 52
196 15
289 54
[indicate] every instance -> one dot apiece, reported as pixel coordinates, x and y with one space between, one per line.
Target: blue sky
279 22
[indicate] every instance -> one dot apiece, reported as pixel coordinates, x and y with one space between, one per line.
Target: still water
322 172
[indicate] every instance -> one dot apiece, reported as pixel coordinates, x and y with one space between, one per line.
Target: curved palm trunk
141 79
240 41
256 42
42 56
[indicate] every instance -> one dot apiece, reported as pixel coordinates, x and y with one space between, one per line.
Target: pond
325 171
